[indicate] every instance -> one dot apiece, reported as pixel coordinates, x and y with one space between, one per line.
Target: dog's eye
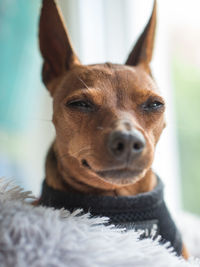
152 105
83 105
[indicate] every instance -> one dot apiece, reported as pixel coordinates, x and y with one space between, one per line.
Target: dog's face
108 117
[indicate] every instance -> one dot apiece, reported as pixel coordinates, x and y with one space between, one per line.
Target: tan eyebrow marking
92 94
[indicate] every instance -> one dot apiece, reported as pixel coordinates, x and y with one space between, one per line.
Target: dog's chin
121 176
117 176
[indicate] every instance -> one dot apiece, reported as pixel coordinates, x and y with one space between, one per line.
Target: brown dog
108 117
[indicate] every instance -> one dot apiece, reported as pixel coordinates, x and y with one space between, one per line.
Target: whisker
81 150
82 81
74 154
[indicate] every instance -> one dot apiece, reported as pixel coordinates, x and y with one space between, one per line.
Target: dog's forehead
113 75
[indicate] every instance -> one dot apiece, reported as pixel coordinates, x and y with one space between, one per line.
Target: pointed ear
143 49
55 45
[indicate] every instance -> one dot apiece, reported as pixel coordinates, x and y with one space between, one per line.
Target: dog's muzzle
126 145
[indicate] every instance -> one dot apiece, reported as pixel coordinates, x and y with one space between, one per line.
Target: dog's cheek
75 146
77 136
158 129
153 127
64 130
149 152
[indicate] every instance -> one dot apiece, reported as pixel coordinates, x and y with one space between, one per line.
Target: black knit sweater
146 211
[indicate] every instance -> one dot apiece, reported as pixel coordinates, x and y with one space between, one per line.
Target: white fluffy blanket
37 236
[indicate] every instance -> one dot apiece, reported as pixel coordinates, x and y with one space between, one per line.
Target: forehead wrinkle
141 83
121 85
96 71
121 91
133 86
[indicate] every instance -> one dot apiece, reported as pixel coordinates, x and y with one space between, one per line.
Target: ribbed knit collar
99 204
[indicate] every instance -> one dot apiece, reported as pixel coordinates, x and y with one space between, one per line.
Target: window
103 30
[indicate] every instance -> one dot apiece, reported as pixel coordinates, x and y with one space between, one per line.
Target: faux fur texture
37 236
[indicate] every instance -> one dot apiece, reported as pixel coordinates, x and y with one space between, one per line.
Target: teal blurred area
19 61
20 88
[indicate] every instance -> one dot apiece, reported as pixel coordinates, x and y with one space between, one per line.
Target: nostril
120 147
138 146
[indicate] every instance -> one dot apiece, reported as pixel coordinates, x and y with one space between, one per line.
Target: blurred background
102 30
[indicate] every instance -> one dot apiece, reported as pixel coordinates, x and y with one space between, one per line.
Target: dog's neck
63 179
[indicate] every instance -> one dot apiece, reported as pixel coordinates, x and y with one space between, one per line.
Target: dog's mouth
122 173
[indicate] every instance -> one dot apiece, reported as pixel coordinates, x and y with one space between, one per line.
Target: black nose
126 145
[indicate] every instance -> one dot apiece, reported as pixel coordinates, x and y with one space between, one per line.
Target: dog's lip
113 173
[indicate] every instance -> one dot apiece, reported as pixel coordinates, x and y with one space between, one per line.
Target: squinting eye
82 105
152 105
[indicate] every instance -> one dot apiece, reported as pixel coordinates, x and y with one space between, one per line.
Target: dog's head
108 117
